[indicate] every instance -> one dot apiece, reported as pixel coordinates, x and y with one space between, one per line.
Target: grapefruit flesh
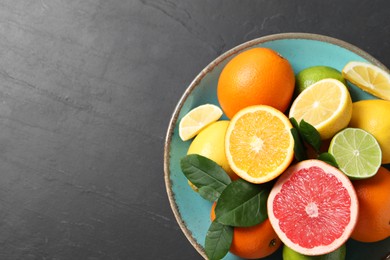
313 207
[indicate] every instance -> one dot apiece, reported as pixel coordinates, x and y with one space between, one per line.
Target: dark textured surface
87 88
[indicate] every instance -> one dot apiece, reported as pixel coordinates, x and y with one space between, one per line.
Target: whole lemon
210 143
373 116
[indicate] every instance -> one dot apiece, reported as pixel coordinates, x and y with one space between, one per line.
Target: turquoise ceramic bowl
302 50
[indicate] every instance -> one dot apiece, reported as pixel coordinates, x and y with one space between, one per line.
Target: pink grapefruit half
313 207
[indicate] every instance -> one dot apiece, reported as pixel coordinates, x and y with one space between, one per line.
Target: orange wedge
258 143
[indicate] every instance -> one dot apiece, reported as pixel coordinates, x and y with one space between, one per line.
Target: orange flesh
259 143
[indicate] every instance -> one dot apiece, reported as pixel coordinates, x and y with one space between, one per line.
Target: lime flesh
357 153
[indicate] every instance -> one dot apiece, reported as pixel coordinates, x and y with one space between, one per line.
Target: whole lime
339 254
311 75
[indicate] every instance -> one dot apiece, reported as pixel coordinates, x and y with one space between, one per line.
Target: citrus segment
197 119
258 143
258 76
326 105
356 152
369 78
313 207
373 117
374 208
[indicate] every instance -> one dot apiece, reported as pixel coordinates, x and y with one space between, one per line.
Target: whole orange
253 242
258 76
374 207
212 212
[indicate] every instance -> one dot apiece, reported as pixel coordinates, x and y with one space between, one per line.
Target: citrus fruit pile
295 162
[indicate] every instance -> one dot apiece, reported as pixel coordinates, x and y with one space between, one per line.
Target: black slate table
87 89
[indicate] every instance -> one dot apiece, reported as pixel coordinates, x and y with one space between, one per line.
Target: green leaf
310 135
300 153
219 238
294 122
206 175
328 158
299 148
243 204
209 193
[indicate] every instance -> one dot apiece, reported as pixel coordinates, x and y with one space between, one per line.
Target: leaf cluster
240 203
305 135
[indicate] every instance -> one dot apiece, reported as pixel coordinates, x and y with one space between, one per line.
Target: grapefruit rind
275 222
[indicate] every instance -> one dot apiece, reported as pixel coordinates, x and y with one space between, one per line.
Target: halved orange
258 143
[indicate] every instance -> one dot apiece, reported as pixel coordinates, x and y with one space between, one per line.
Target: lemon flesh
197 119
369 78
327 105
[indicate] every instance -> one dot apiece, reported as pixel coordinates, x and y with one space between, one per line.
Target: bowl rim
210 67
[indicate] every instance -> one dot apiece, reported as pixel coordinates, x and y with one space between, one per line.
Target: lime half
357 153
